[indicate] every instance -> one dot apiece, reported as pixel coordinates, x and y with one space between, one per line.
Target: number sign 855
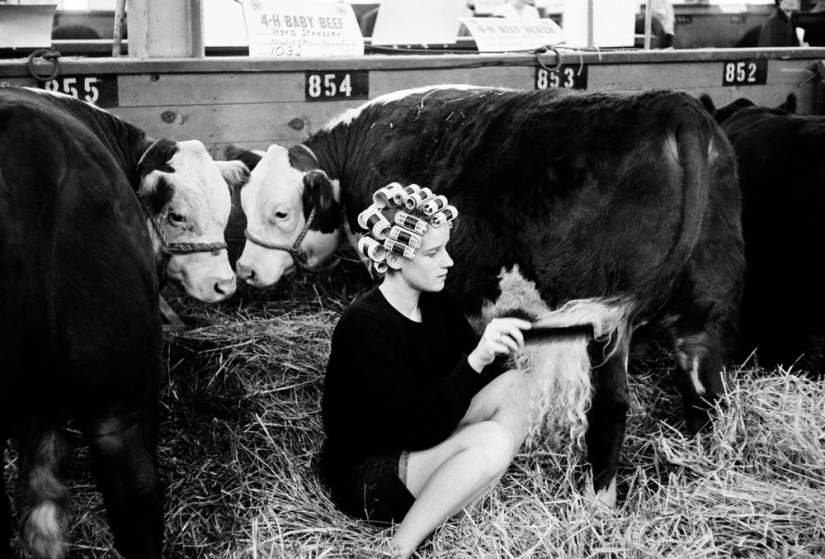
98 90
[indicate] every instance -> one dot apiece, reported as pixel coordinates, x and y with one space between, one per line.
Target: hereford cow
782 177
183 192
80 334
83 197
613 210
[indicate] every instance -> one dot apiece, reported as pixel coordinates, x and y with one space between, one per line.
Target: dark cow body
782 177
593 196
80 333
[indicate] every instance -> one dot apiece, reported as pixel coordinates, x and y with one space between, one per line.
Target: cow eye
281 214
176 217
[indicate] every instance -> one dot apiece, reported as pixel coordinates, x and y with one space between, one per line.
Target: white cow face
273 201
191 201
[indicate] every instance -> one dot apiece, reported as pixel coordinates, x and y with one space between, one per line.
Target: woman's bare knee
510 390
494 445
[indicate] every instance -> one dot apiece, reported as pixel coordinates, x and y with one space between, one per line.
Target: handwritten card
506 34
294 28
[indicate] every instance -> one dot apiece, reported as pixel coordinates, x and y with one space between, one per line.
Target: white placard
506 34
294 28
418 22
610 23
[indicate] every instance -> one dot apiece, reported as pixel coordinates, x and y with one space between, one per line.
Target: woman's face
427 271
789 5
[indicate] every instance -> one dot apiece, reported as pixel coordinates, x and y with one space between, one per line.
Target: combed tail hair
560 366
44 523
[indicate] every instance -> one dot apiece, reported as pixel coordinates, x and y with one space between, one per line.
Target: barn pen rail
253 102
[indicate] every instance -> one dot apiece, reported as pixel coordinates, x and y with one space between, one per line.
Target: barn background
241 426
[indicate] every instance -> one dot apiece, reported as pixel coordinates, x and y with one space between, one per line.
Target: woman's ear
393 260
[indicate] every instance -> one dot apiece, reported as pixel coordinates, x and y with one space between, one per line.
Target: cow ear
157 157
707 102
236 153
156 192
235 173
319 193
302 158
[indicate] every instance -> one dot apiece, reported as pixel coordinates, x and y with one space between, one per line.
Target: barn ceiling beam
163 29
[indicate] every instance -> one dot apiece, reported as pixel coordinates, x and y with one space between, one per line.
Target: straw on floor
241 431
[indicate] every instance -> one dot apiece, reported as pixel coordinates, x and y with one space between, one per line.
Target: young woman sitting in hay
419 416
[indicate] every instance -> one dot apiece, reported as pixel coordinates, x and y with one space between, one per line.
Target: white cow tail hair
44 524
560 366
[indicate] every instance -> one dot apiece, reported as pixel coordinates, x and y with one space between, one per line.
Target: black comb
541 333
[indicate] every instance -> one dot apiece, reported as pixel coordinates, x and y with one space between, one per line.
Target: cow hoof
604 499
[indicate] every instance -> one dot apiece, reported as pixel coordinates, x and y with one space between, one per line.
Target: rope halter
298 256
167 249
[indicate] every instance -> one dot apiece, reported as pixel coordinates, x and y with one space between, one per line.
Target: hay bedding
241 430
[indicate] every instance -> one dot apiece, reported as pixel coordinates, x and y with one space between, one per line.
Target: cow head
293 217
187 199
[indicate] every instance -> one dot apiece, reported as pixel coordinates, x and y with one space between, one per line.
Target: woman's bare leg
452 475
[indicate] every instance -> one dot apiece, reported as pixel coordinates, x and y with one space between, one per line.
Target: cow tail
690 146
561 389
44 523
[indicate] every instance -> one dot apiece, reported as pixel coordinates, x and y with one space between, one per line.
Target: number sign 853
566 77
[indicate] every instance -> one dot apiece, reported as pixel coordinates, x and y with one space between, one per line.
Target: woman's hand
501 336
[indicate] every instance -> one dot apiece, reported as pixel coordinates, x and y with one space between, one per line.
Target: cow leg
700 374
123 459
607 419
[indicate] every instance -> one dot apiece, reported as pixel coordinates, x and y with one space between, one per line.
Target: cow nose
243 271
225 287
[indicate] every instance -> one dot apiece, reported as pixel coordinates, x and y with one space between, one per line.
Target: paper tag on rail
493 34
295 28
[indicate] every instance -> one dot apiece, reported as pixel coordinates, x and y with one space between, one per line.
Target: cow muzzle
205 277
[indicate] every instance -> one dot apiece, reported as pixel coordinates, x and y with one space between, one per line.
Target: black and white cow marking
184 192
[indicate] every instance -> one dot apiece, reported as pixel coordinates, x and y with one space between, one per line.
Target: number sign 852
745 72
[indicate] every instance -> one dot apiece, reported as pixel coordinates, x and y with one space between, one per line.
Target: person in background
516 9
663 11
778 30
420 418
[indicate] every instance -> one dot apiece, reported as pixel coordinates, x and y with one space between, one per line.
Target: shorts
373 490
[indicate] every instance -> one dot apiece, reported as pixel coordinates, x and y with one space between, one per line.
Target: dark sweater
778 31
394 384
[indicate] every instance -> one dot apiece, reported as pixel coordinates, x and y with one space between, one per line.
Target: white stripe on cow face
272 203
198 213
